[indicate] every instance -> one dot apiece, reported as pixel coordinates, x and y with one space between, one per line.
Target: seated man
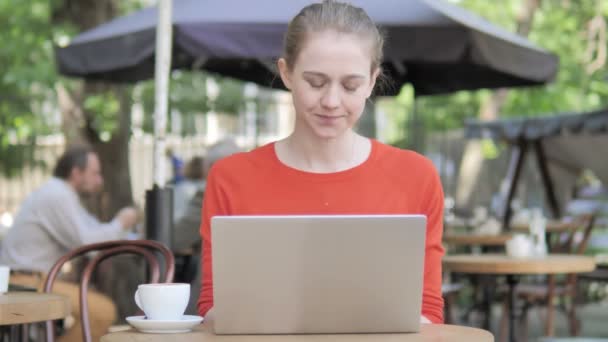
51 222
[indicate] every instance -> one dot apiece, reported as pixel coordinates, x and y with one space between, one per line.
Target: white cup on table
165 301
519 246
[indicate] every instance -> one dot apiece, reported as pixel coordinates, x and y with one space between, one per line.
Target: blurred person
331 60
177 167
51 222
186 235
194 180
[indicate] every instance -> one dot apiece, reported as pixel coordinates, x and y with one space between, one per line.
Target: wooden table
551 227
429 332
477 239
512 267
29 307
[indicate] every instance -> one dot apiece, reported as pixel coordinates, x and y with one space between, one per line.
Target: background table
429 332
503 264
477 239
512 267
551 227
30 307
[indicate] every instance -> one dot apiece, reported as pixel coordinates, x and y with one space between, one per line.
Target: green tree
188 96
561 27
26 79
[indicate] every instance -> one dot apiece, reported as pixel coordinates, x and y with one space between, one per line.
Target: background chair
155 253
555 287
449 293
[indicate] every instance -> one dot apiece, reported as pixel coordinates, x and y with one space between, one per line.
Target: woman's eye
316 84
351 88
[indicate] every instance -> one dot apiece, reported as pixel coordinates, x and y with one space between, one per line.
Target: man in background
51 222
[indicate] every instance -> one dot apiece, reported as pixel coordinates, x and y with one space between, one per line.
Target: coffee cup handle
137 302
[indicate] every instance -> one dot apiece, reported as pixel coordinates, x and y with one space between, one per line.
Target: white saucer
150 326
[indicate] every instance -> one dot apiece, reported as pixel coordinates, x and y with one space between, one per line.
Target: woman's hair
73 157
331 15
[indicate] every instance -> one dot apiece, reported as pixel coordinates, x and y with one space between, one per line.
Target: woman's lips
329 119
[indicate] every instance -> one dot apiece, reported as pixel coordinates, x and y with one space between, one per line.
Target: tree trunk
78 125
114 157
472 160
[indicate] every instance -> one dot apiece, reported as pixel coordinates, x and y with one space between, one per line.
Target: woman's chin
328 132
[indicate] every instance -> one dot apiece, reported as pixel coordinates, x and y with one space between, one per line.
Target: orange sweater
390 181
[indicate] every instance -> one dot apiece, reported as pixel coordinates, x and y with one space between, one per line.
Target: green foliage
13 157
105 106
26 73
561 28
26 77
131 5
188 96
489 149
558 26
230 99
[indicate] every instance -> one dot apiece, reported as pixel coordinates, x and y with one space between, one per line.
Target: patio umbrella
436 46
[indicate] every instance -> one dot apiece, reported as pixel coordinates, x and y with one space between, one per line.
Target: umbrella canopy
569 142
436 46
572 141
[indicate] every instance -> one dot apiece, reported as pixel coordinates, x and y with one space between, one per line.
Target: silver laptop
317 274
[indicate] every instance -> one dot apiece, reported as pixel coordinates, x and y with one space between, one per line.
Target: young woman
331 62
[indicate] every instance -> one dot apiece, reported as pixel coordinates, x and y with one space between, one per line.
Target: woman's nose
331 98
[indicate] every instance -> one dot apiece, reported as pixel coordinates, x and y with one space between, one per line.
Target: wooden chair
545 294
152 251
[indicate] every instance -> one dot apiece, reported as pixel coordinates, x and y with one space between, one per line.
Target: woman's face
330 81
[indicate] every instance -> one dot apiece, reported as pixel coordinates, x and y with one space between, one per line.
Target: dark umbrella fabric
436 46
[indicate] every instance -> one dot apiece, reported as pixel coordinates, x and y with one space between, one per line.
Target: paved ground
594 319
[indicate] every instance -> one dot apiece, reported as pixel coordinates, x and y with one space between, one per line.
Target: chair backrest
152 251
572 242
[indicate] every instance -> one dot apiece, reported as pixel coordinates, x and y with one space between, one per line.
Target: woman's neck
309 153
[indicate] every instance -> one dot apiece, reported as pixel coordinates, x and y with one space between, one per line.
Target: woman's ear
284 72
372 81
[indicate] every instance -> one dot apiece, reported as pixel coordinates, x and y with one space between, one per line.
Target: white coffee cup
5 272
519 246
166 301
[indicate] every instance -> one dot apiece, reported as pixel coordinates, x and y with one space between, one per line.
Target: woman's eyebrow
353 77
314 74
322 75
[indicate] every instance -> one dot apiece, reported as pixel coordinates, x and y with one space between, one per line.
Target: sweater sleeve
432 300
214 203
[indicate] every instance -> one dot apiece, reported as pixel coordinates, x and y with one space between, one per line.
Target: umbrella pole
161 87
159 200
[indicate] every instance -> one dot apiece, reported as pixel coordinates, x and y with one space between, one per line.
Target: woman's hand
425 320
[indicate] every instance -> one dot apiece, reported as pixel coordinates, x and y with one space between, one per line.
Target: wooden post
546 178
518 154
